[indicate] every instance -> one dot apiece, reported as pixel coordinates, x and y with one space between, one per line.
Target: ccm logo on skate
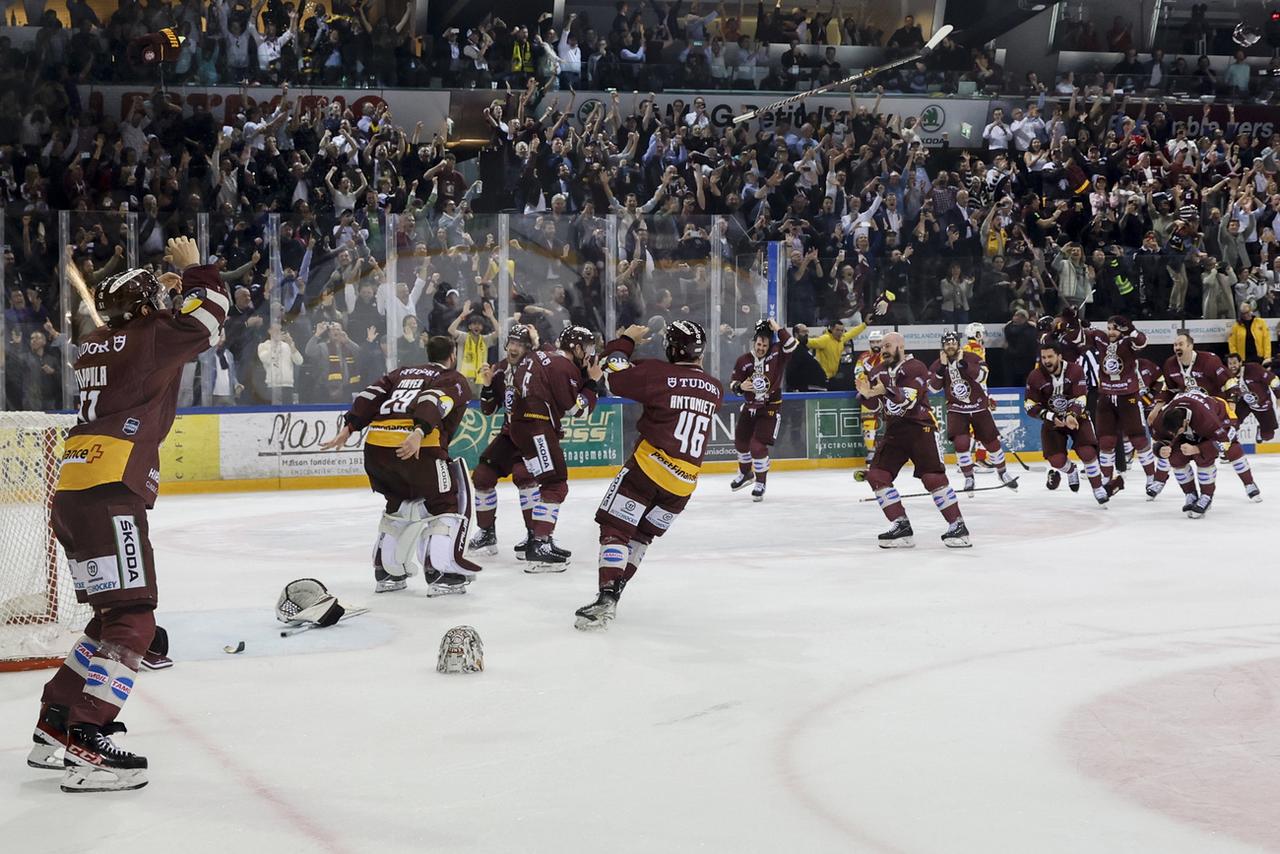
87 755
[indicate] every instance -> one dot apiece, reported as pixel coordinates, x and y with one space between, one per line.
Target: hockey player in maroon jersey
501 458
1119 411
757 375
1057 395
129 372
1192 427
899 390
679 401
412 414
548 386
962 376
1189 369
1257 388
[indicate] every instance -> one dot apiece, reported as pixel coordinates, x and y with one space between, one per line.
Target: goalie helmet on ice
461 651
308 601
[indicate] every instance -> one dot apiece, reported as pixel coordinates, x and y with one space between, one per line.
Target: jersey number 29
691 431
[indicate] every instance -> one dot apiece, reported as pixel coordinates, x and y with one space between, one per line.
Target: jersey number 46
691 431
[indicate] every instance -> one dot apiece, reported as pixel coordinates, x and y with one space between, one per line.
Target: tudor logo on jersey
118 342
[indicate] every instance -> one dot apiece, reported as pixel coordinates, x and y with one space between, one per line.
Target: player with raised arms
758 376
899 391
129 372
412 414
962 377
679 401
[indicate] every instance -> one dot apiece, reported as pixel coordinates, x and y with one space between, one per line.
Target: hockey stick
942 33
1012 484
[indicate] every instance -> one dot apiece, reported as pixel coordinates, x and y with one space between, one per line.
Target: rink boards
279 447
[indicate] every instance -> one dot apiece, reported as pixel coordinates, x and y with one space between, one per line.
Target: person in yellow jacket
828 346
474 342
1250 339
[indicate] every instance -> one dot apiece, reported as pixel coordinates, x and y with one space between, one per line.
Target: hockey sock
613 562
1147 458
1185 479
995 456
1107 462
635 554
964 459
744 462
1207 477
944 498
529 497
109 681
544 519
1162 469
1239 462
760 465
486 507
68 680
887 496
1094 472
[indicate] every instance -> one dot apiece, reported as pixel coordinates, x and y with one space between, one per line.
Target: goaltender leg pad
443 549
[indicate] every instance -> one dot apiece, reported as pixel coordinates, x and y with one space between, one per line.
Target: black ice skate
957 536
523 545
385 582
1200 507
757 492
899 536
49 738
1102 495
1254 493
1073 479
1008 480
1154 487
1189 503
484 542
741 480
599 613
95 764
968 483
542 556
1115 485
445 583
1053 479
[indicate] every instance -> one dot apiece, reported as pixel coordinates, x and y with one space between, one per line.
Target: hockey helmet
572 335
121 298
875 339
763 330
461 651
1044 323
949 337
520 334
974 331
684 341
308 601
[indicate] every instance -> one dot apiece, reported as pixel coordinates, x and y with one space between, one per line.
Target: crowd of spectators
1081 201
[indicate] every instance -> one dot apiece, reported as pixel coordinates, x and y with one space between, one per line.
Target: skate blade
484 550
90 779
46 757
903 543
434 590
520 555
539 568
742 485
389 586
586 624
1257 499
757 498
957 543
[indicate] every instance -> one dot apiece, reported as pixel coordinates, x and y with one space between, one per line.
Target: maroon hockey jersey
129 378
428 396
1117 360
548 384
1206 373
964 380
1051 396
906 394
766 374
1210 420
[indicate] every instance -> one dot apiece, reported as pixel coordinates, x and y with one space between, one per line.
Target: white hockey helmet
308 601
975 331
461 651
875 338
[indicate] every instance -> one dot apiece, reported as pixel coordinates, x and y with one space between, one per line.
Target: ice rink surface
1082 680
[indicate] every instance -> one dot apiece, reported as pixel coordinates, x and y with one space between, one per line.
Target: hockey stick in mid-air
942 33
1013 484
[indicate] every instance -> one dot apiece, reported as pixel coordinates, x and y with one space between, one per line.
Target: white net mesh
39 617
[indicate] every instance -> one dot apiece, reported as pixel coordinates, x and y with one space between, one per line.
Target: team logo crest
117 342
671 382
1059 404
960 391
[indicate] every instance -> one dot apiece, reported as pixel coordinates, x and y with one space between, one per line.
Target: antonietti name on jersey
697 404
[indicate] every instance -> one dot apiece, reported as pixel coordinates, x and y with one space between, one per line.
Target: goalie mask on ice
461 651
308 601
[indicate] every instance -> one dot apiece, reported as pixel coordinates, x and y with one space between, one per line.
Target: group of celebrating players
130 368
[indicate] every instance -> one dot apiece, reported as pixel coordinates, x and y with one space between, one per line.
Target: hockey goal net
39 617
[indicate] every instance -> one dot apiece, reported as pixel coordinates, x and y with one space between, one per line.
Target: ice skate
899 536
95 764
1254 493
957 536
522 545
445 583
1154 488
385 582
1114 485
969 483
1073 479
599 613
484 542
757 493
1053 479
742 480
542 556
1190 503
1200 507
1102 495
49 738
1008 480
